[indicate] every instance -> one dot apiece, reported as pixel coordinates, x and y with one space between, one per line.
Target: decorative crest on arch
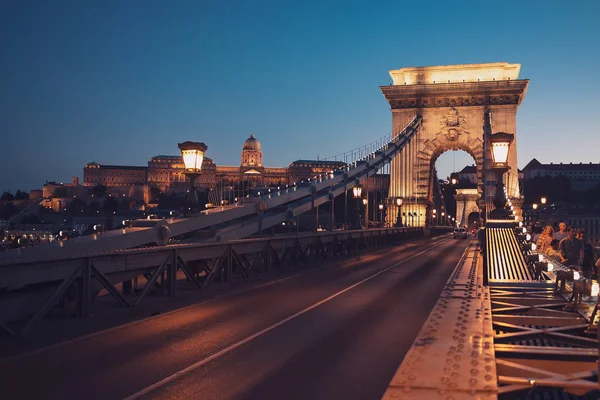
453 125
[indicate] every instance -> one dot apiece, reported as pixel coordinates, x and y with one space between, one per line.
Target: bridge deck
453 354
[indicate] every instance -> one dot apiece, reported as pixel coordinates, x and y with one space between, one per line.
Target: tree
76 207
99 191
93 207
7 196
154 193
110 205
124 205
20 195
31 219
60 192
556 189
7 210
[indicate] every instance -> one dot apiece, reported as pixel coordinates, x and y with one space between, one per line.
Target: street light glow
500 144
193 155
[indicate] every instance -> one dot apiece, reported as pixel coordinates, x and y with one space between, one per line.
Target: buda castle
166 172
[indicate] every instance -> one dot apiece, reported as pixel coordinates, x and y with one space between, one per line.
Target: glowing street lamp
357 193
500 142
193 156
543 200
381 214
399 218
365 202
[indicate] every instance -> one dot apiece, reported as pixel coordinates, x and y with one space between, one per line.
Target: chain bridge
497 318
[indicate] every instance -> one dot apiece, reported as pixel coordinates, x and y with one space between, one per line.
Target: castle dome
251 143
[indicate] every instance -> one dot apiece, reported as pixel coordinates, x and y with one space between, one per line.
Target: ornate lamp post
357 193
434 217
543 201
381 214
399 218
500 145
193 155
366 204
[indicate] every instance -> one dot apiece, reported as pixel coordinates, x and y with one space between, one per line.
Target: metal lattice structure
234 222
517 338
504 260
546 342
130 275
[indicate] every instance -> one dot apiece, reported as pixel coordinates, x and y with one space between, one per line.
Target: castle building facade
166 172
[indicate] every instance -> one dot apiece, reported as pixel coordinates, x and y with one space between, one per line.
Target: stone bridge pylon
466 204
453 101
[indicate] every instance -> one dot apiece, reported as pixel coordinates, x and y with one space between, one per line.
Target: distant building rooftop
469 169
317 162
535 164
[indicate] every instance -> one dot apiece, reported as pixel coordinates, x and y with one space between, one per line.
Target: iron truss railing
29 291
545 338
238 221
546 335
514 339
504 259
544 348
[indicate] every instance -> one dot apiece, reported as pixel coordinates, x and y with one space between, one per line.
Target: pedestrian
544 239
562 231
552 251
571 249
587 263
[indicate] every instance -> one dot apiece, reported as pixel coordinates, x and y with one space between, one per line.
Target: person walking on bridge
571 249
544 240
562 231
587 263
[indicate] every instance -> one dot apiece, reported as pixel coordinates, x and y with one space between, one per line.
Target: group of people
570 247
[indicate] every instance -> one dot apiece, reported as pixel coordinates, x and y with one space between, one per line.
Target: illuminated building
166 172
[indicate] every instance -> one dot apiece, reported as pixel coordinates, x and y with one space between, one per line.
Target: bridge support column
466 203
331 212
85 289
172 274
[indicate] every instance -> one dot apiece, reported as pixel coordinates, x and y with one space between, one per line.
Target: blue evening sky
118 82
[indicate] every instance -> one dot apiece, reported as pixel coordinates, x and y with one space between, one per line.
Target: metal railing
267 210
30 290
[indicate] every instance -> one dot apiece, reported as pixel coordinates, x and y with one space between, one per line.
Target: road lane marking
234 346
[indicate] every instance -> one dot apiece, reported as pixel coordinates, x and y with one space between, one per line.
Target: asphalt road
334 332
